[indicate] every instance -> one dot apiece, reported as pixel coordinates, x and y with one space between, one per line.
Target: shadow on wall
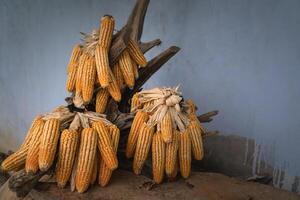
241 157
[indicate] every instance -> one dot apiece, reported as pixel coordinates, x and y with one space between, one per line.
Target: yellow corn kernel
66 156
113 89
106 150
166 126
87 151
196 140
76 53
104 171
102 65
79 74
136 53
88 79
127 69
158 158
106 31
135 102
171 154
139 119
118 76
185 154
142 147
101 100
32 159
48 144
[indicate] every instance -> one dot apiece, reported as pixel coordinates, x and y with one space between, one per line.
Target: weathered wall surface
238 56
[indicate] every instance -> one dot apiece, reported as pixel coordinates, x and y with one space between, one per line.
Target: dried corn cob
81 65
15 160
48 143
106 150
32 159
185 154
102 65
118 76
135 69
76 52
95 169
29 134
87 151
104 172
174 172
66 156
171 154
106 31
136 54
158 158
166 126
101 100
127 69
196 140
113 89
88 79
71 79
142 147
139 119
134 102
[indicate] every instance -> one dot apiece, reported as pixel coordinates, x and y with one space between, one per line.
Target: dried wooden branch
146 46
207 116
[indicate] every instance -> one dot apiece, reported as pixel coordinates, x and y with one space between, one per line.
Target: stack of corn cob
72 139
89 69
168 124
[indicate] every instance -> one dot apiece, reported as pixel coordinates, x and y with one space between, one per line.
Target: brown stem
146 46
206 117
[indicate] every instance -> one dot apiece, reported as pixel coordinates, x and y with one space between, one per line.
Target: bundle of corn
89 68
168 123
83 144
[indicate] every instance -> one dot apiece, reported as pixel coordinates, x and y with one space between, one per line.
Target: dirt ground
126 185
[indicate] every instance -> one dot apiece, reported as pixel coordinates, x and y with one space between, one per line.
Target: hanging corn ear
95 169
106 31
32 159
29 134
136 53
134 102
142 147
166 126
158 158
102 65
76 52
171 154
15 161
81 65
118 76
139 119
192 106
104 172
87 151
66 156
88 79
101 100
127 68
71 79
106 150
196 140
113 89
135 70
185 154
174 172
48 144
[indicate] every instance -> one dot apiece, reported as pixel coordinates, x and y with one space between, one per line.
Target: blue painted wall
239 56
